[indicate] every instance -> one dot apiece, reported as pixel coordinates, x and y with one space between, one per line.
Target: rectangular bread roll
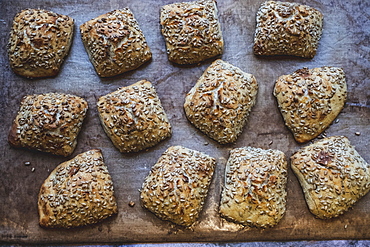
77 192
177 185
192 31
255 187
221 100
38 43
285 28
332 174
48 123
133 117
310 99
115 43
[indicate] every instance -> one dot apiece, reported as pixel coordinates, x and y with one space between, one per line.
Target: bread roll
133 117
77 192
177 185
192 31
255 187
48 123
115 43
310 99
38 43
221 101
285 28
332 174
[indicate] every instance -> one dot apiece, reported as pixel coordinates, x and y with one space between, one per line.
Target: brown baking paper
344 43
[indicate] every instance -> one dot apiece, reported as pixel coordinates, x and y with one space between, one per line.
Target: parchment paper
345 43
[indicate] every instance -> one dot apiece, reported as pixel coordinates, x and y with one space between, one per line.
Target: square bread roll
48 123
221 100
192 31
77 192
177 185
255 187
332 174
310 99
285 28
133 117
115 43
38 43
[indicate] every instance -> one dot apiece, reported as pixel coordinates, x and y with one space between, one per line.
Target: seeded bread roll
255 187
177 185
310 99
332 174
77 192
285 28
133 117
48 123
38 43
192 31
115 43
221 101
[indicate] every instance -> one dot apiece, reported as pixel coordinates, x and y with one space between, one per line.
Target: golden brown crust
310 99
332 174
285 28
255 187
115 43
221 101
38 43
77 192
178 184
133 117
48 123
192 31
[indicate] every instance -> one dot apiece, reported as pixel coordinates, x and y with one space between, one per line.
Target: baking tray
344 43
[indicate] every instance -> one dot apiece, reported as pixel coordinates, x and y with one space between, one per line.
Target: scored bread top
177 185
133 117
39 41
115 42
77 192
48 123
332 174
192 31
221 101
255 187
285 28
310 99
